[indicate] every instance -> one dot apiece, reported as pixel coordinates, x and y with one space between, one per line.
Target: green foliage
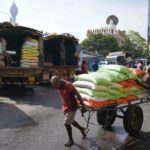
103 43
146 51
135 43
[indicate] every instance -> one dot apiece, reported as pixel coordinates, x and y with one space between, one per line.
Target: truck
24 46
89 57
52 57
119 57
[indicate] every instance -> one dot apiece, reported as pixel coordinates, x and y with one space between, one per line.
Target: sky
77 16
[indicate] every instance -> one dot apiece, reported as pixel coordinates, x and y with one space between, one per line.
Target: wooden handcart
130 112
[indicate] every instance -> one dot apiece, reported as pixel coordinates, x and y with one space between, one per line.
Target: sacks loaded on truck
21 56
60 56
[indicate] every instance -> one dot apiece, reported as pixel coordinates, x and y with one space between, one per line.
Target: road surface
32 120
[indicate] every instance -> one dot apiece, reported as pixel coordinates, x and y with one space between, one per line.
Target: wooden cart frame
132 115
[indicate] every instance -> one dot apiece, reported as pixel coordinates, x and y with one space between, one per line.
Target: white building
111 29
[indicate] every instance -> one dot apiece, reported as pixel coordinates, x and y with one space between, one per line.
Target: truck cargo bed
18 71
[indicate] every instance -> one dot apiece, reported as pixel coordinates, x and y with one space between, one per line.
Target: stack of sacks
2 64
133 81
111 84
139 73
30 53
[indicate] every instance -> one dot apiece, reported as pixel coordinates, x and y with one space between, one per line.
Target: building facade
111 29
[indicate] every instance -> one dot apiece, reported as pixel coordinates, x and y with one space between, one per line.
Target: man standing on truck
8 60
78 49
69 105
3 45
63 52
1 52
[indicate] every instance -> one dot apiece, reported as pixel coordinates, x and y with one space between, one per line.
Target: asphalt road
32 120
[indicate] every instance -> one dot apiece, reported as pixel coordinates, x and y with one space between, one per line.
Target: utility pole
148 33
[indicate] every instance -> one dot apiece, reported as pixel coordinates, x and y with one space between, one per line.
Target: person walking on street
95 66
84 67
69 105
146 78
140 65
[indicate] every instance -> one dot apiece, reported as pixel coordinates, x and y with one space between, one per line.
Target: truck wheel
107 117
133 119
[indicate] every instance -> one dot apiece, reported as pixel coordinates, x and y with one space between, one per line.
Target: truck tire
107 117
133 119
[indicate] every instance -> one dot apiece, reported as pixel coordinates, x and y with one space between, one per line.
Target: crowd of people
139 65
85 66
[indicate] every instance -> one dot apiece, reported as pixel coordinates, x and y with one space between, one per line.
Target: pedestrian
140 65
63 52
69 105
146 78
78 49
95 66
84 67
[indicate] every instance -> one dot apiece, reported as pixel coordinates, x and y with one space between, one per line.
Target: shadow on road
139 142
13 117
42 96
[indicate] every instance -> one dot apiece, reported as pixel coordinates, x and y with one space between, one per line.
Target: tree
103 43
135 43
146 50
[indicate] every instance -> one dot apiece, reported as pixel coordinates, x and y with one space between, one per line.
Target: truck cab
119 57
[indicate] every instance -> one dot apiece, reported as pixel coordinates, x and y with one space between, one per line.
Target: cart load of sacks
111 84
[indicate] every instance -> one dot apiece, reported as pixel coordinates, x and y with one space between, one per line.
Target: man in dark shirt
63 52
84 67
95 66
69 105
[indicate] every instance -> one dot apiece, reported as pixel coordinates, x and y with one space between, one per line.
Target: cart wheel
106 117
133 119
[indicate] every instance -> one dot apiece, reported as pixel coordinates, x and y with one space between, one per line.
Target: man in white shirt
78 48
3 44
8 60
